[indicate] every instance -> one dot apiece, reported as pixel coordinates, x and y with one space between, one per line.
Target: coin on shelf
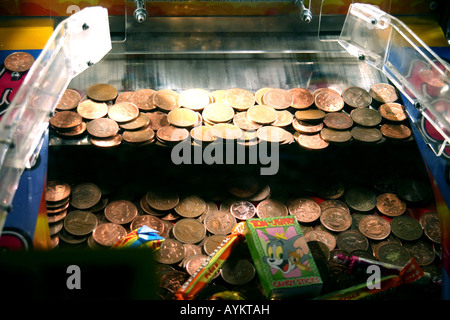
139 136
69 100
336 136
406 228
336 219
271 208
102 128
241 120
322 236
101 92
272 134
284 119
356 97
393 112
364 134
278 99
390 204
65 120
142 98
310 115
301 98
194 99
190 206
338 121
125 97
351 240
140 122
123 112
395 131
306 210
189 230
227 131
166 99
243 210
374 227
182 117
85 195
80 222
366 117
91 110
262 114
107 234
110 142
306 127
218 112
57 191
18 61
170 134
260 94
157 120
239 99
329 100
393 253
311 142
202 134
150 221
162 199
383 93
361 199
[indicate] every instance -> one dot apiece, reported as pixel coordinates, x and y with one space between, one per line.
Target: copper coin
171 252
123 112
272 134
356 97
69 238
422 252
306 127
124 96
107 142
390 204
383 93
406 228
190 206
90 110
194 99
189 230
182 117
58 210
138 136
333 203
338 121
227 131
101 92
191 250
172 134
301 98
393 253
374 227
57 191
66 120
212 242
162 200
240 120
311 142
218 112
426 217
271 208
80 223
321 236
284 118
108 234
202 134
57 217
242 185
239 99
337 136
262 114
158 120
149 221
360 199
278 99
366 117
336 219
306 210
433 231
329 100
195 262
351 240
395 131
309 115
139 123
331 191
74 132
260 94
121 211
243 210
393 111
166 99
363 134
238 272
19 62
220 222
143 99
102 128
69 100
85 195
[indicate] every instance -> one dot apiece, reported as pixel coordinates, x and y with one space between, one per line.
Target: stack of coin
68 124
57 201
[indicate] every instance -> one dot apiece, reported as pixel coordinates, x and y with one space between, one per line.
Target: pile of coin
312 119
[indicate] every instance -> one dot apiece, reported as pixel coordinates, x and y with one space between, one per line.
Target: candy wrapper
212 265
140 238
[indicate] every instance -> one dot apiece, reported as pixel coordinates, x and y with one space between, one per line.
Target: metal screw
90 63
362 57
374 21
85 26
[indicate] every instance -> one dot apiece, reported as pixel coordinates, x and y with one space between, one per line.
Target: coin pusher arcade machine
217 45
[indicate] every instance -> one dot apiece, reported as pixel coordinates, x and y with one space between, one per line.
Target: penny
102 128
284 118
57 217
301 98
395 131
56 227
271 134
142 98
243 210
237 271
170 283
433 231
374 227
85 195
107 142
91 110
123 112
366 117
79 130
202 134
191 250
332 191
422 252
312 142
336 219
239 99
121 211
393 253
426 217
139 123
217 95
306 210
406 228
338 120
351 240
65 120
336 136
227 131
432 78
306 127
271 208
149 221
240 120
166 99
162 200
182 117
333 203
393 111
356 97
260 94
101 92
383 93
218 112
278 99
329 100
390 204
125 97
57 210
363 134
360 199
194 99
195 262
172 134
322 236
57 191
190 206
157 120
69 238
69 100
138 136
107 234
80 223
309 115
171 252
412 190
220 222
212 242
242 185
188 230
262 114
19 61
